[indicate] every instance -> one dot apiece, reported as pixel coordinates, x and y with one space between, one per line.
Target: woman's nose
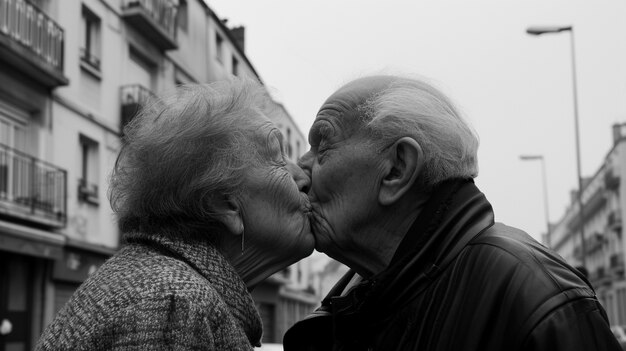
301 177
305 163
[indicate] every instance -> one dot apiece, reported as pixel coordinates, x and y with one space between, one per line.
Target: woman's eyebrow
275 135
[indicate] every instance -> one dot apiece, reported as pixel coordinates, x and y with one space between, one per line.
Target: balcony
594 243
31 42
594 204
601 277
614 221
31 190
616 264
155 19
133 98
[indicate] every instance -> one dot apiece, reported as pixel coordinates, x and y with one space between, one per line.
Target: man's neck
378 243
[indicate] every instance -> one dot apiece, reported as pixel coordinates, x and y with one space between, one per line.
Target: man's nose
301 177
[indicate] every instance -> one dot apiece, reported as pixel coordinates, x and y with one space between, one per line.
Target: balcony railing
601 277
616 263
31 189
133 98
32 41
614 221
156 19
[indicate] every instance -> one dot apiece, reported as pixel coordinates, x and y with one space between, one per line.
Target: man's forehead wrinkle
345 106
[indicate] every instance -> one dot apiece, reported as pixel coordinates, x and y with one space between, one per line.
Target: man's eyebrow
321 130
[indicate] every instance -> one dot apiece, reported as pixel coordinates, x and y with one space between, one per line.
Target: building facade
604 202
72 73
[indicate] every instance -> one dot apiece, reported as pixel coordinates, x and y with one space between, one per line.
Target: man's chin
320 243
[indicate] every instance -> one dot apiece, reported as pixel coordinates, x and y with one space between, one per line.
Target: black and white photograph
332 175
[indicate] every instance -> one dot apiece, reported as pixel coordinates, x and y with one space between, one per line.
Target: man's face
345 172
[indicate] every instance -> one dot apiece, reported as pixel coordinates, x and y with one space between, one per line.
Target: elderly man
391 165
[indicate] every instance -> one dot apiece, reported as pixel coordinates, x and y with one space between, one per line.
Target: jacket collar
454 214
205 259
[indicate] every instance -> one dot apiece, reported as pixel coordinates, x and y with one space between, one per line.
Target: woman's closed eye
277 148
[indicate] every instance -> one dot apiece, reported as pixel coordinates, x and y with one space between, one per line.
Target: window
235 64
88 182
289 148
219 46
140 69
90 50
14 166
621 306
182 17
298 148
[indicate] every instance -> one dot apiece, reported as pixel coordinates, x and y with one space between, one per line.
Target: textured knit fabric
158 294
460 282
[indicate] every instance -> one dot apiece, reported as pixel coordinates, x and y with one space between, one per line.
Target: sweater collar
205 259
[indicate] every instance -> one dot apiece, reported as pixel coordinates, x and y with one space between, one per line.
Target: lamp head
538 30
531 157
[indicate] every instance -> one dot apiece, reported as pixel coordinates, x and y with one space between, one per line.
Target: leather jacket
460 282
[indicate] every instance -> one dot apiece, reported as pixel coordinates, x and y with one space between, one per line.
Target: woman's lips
306 204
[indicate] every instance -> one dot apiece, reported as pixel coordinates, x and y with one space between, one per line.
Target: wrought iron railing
32 186
614 220
26 24
162 12
133 98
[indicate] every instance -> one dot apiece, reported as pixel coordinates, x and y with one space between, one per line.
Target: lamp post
570 29
545 190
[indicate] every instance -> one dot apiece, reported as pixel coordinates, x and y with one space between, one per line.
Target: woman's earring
242 240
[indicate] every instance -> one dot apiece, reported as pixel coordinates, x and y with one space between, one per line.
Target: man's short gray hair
183 153
413 108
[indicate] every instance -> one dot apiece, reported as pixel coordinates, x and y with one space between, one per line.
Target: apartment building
603 248
72 73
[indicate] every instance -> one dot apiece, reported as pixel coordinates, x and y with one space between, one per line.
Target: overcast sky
515 89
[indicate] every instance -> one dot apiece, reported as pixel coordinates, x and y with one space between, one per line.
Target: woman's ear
406 160
230 215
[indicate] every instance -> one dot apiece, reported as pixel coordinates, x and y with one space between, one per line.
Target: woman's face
274 210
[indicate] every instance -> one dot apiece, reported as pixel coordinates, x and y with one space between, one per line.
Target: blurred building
604 203
326 278
72 73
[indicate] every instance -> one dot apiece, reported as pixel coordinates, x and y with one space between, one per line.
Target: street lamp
570 29
545 190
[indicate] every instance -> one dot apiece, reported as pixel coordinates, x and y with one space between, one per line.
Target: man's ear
230 215
406 160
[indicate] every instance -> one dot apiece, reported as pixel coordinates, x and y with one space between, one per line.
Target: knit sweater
158 294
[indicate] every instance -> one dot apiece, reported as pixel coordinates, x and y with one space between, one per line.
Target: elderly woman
208 206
